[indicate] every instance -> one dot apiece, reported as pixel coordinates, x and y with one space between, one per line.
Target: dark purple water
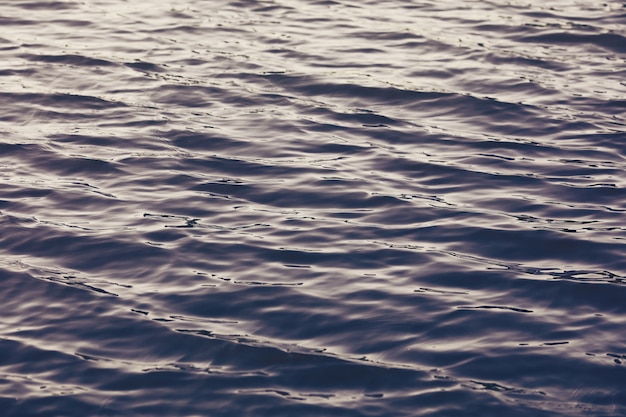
313 208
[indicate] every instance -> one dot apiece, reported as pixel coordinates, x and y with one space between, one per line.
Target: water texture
313 208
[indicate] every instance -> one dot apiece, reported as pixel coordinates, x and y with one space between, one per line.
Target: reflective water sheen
313 208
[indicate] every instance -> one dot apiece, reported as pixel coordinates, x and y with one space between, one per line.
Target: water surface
313 208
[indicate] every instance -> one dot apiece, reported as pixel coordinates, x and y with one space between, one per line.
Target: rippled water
313 208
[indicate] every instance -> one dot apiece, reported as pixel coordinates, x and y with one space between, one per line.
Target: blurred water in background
313 208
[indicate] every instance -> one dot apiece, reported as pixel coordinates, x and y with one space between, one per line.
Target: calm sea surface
313 208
